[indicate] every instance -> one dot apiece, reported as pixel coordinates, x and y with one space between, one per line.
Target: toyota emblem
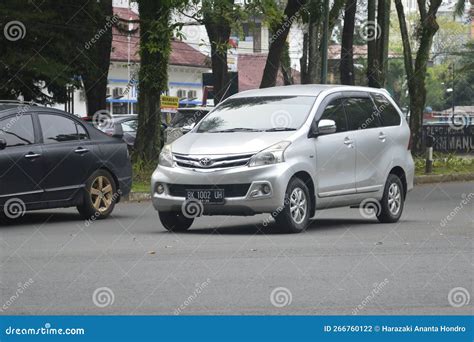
205 162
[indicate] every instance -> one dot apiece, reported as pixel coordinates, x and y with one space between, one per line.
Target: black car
51 159
129 123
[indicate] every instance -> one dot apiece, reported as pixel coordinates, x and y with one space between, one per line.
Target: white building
185 69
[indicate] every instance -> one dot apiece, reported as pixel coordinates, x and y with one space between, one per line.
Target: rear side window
17 130
57 128
388 113
130 126
335 111
361 113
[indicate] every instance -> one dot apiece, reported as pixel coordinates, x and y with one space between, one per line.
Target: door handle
348 141
32 155
382 136
81 150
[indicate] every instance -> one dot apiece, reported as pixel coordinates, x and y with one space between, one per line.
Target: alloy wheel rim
101 194
394 199
298 205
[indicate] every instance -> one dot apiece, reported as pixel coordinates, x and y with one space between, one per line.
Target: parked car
129 123
288 151
51 159
183 121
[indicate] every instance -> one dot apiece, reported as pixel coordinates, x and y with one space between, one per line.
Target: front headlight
166 157
271 155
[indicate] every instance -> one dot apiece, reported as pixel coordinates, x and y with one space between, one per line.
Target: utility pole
324 47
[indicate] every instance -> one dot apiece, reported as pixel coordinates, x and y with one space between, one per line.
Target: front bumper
277 176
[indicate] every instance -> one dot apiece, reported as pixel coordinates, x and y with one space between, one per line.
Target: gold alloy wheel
101 194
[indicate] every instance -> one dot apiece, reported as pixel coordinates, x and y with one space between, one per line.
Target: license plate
214 196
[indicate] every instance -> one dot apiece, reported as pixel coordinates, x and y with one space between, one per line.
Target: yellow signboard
169 104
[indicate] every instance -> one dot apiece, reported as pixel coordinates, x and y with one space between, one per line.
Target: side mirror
118 131
326 126
3 143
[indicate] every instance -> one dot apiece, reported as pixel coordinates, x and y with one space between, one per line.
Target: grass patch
445 164
142 175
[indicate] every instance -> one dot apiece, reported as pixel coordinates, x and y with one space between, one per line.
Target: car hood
227 143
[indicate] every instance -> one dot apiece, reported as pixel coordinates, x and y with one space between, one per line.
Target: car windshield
257 114
187 117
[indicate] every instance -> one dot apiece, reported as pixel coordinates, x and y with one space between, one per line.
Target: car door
21 161
370 141
335 153
70 156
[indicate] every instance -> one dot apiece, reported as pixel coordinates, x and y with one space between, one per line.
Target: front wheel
175 221
391 206
295 215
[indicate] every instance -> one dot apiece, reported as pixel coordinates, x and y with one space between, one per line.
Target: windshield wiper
280 129
237 129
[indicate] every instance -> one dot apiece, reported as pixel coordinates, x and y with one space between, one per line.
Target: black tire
175 221
285 219
390 212
106 202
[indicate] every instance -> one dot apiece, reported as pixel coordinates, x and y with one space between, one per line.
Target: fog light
266 189
160 188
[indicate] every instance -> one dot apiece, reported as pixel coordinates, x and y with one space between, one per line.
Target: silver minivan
288 151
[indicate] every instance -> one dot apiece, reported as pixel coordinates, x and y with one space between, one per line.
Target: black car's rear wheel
175 221
99 196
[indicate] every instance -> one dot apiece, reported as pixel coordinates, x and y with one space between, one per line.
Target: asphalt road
343 264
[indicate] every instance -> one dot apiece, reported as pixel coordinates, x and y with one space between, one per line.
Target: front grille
230 190
211 162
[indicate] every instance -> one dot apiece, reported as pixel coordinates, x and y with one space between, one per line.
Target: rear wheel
295 215
99 196
175 221
391 206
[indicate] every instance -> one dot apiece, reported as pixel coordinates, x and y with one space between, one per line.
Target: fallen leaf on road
151 252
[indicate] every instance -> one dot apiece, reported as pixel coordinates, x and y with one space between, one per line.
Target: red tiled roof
360 51
181 53
250 67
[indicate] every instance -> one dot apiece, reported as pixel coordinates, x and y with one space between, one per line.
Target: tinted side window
388 113
57 129
361 113
17 130
335 111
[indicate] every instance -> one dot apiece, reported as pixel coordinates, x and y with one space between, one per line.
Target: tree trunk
219 36
218 27
96 70
372 30
347 54
155 46
280 33
313 50
416 74
383 22
286 65
304 60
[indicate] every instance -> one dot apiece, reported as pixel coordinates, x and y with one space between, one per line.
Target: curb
425 179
